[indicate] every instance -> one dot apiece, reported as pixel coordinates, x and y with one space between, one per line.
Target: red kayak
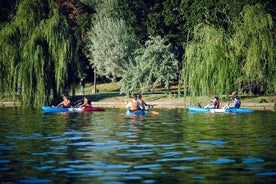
89 109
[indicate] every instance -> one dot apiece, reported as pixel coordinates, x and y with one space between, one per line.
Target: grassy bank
109 95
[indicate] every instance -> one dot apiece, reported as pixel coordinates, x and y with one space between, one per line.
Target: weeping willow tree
254 51
207 68
37 53
217 63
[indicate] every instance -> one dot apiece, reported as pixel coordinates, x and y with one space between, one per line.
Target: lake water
108 147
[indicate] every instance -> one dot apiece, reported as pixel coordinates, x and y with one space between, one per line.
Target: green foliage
206 67
253 46
111 43
37 53
217 63
154 65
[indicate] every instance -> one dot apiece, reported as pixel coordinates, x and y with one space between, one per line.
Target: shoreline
118 101
158 105
180 105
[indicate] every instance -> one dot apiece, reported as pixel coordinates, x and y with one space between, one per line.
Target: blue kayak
233 110
54 109
138 112
62 109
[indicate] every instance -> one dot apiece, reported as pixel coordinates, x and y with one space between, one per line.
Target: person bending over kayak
236 103
86 102
215 104
134 105
65 103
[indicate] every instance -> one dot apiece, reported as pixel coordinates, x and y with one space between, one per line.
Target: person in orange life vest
86 102
65 103
216 104
134 105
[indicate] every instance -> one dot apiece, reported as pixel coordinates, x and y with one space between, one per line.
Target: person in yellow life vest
65 103
134 105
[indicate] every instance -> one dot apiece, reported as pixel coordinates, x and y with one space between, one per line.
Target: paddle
153 112
232 94
77 103
119 99
121 106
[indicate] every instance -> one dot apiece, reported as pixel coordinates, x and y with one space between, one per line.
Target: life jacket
218 104
239 104
141 103
134 106
66 103
88 104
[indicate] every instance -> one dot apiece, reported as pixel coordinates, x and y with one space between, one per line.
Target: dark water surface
108 147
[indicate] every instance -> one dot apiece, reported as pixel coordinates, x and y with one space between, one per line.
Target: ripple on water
80 144
6 148
86 172
252 160
266 174
214 142
181 159
265 140
253 168
4 161
182 167
64 169
148 166
171 153
199 177
73 162
46 167
221 161
35 180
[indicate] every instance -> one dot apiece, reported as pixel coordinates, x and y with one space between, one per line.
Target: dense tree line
202 46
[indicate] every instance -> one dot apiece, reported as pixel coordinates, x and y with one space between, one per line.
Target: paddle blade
234 93
122 106
153 112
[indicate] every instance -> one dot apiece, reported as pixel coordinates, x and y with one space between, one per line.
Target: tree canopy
243 61
202 46
38 52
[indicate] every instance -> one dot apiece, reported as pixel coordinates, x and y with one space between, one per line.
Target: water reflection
102 147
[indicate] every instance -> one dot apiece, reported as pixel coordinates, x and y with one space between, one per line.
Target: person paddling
236 103
216 103
142 102
86 103
134 105
65 103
